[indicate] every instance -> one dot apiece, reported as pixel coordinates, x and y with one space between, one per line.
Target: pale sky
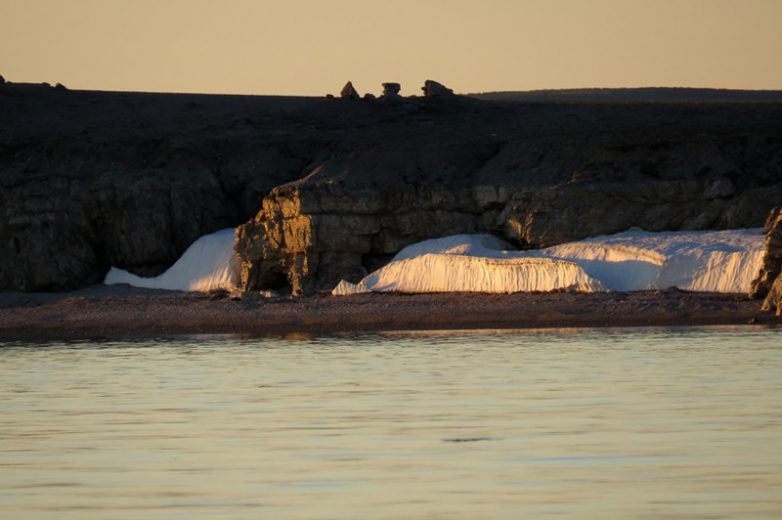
312 47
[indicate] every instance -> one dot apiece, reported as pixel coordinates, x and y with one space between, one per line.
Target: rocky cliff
535 188
336 186
93 179
769 282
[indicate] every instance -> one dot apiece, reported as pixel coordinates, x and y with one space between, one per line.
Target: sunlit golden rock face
769 281
275 244
310 237
774 298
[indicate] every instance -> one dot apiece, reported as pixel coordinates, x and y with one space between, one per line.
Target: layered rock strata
769 282
351 213
90 180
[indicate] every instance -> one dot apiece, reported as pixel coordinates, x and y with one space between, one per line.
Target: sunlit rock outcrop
768 284
314 232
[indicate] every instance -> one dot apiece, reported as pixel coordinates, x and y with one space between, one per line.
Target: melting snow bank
209 263
710 261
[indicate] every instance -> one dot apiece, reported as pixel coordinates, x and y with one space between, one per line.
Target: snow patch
430 273
709 261
209 263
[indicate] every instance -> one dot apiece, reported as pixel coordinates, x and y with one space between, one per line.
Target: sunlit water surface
677 423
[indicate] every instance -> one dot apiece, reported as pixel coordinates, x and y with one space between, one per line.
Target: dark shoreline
101 312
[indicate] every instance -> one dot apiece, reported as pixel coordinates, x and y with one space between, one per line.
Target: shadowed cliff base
335 186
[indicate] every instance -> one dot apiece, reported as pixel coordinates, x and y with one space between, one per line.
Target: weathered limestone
772 261
552 215
352 213
774 298
131 180
769 281
310 238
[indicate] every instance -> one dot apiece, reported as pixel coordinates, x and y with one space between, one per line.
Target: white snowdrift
713 261
456 273
208 264
709 261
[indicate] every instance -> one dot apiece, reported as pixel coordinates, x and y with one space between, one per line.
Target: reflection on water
681 423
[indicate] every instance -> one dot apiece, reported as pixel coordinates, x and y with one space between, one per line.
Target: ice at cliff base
708 261
208 264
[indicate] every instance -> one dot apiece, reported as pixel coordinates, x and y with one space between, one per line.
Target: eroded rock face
131 180
773 300
313 233
353 212
545 217
123 181
769 281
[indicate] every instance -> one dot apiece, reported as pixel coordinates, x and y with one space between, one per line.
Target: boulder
432 89
349 92
391 89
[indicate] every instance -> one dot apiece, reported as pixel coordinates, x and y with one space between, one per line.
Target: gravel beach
121 311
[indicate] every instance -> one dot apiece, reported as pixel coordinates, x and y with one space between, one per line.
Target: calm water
678 423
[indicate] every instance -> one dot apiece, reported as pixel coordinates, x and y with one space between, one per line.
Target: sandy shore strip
121 311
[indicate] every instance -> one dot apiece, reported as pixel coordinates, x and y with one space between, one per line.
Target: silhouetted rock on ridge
432 88
349 92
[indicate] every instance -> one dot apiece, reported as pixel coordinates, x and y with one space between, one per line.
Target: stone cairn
433 89
349 92
391 90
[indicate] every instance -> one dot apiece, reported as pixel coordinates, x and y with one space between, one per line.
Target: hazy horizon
313 48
